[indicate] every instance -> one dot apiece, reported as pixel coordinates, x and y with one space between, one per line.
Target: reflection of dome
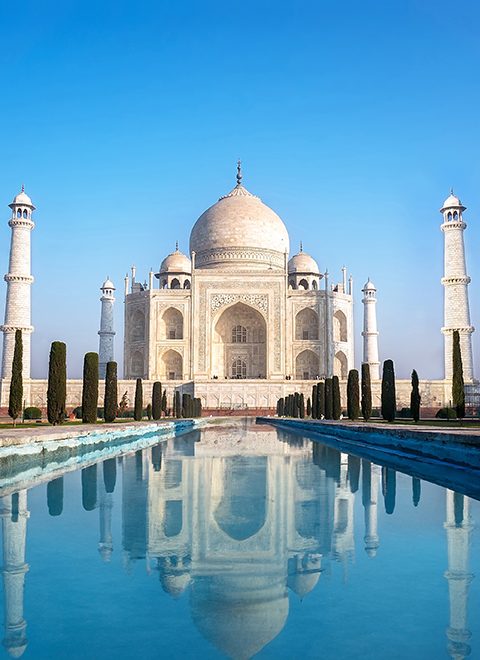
452 202
14 650
239 230
303 583
239 614
174 584
176 262
371 552
303 263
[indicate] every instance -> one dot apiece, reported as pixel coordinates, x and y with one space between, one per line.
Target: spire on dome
23 188
176 246
239 173
301 246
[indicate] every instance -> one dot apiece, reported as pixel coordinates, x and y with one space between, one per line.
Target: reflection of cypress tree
157 458
314 402
336 401
389 488
89 487
110 474
366 482
353 472
328 398
332 463
139 465
55 496
416 490
458 508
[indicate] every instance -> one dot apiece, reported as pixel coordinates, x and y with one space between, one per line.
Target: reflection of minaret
459 527
369 499
134 507
13 510
343 538
105 546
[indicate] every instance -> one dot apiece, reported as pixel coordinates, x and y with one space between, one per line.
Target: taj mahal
238 322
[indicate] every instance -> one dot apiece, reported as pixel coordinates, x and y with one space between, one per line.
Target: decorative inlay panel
259 300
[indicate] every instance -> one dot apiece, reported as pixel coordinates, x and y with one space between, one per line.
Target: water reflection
237 529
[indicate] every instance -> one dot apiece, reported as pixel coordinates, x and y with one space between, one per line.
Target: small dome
452 202
303 263
108 284
22 199
176 262
174 584
303 583
369 286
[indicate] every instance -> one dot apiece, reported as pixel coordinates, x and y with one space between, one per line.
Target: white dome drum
239 232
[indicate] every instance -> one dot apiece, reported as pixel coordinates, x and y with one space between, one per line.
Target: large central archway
239 344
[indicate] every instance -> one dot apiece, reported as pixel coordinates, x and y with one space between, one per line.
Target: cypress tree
320 400
185 405
309 407
111 393
328 398
149 411
314 402
164 402
388 391
458 385
90 388
138 409
415 398
15 401
157 400
57 383
353 395
336 401
301 406
178 405
366 392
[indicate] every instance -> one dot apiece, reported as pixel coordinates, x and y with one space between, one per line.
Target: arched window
314 285
303 284
173 324
306 325
138 326
163 284
307 365
455 216
339 326
239 368
449 216
186 284
239 334
340 365
172 363
175 284
19 213
25 213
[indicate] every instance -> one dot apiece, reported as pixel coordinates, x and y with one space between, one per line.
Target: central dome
239 232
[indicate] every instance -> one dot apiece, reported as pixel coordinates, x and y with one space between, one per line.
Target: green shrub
157 400
111 393
388 391
15 400
353 395
32 412
138 409
446 413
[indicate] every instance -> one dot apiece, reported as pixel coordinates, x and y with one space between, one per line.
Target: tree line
184 406
325 402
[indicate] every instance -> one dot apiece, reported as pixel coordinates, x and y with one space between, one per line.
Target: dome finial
451 190
23 188
301 246
239 172
176 246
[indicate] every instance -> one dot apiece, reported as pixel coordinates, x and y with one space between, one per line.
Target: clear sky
353 119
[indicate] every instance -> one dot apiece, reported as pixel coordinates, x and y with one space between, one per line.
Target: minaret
106 332
14 514
455 281
459 528
19 280
370 333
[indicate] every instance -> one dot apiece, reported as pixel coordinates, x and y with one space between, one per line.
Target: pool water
238 540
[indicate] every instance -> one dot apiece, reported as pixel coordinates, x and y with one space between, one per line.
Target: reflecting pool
233 541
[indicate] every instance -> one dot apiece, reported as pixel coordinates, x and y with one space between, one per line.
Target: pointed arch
307 365
137 327
340 365
340 326
306 324
172 324
172 365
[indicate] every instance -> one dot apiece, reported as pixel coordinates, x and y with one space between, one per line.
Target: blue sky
353 120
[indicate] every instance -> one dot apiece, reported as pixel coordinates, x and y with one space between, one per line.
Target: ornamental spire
176 246
301 246
239 173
